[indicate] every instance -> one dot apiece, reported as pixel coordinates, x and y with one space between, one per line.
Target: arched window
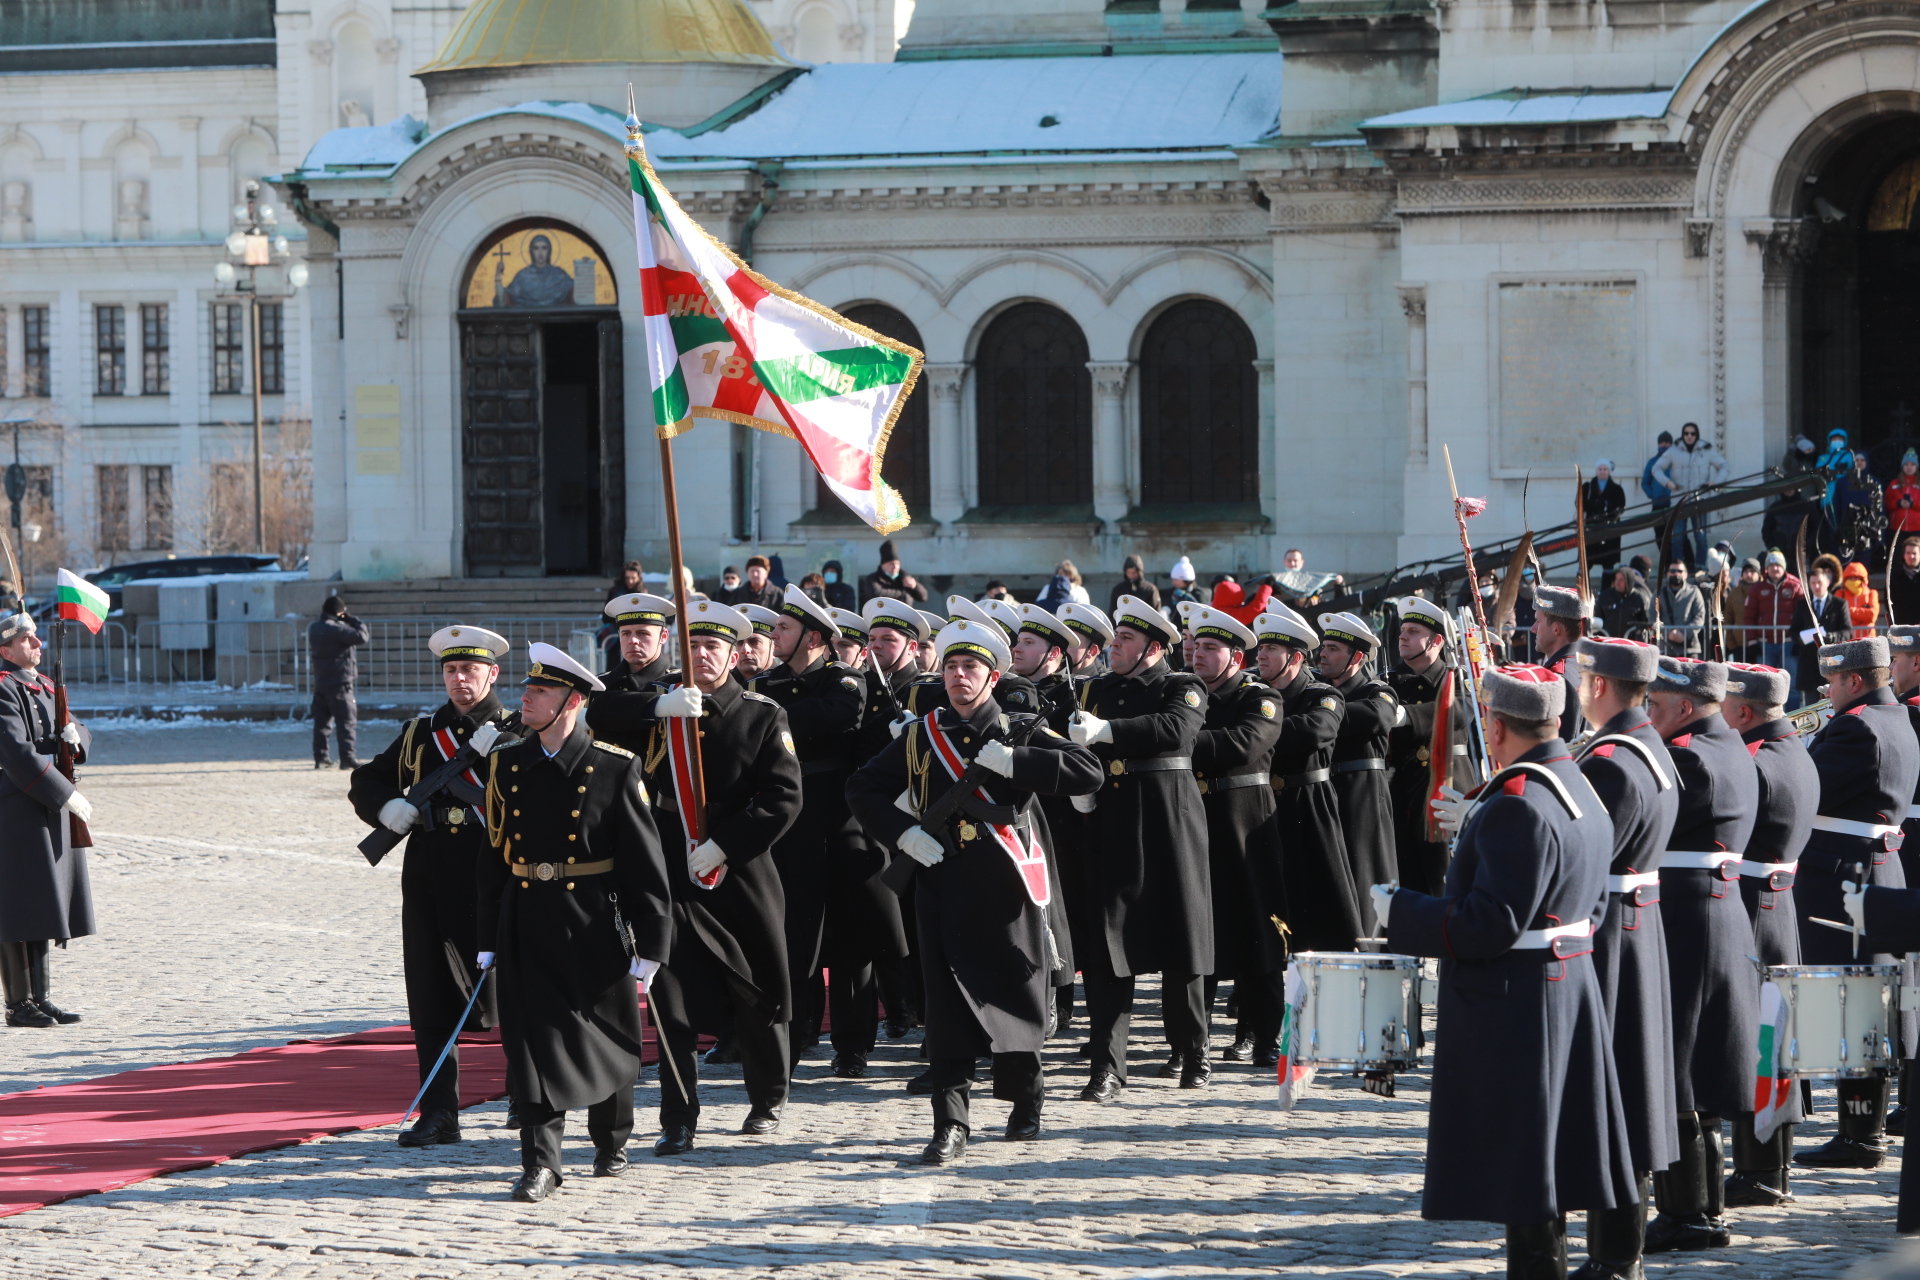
905 465
1035 403
1199 408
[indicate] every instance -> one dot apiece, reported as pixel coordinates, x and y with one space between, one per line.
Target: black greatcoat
622 713
753 796
1570 717
1422 862
569 1012
1146 849
1230 762
1893 926
1316 879
437 929
1910 830
45 895
1058 696
1360 780
1716 992
982 941
1630 946
1789 797
864 911
1526 1119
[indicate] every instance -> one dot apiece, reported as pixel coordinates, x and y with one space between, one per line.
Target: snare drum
1362 1011
1839 1018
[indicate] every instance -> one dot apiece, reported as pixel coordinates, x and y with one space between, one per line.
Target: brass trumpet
1808 719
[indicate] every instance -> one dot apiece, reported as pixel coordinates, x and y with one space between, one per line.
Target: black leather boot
39 982
1861 1142
21 1009
1537 1251
1680 1194
1758 1178
1715 1159
1615 1238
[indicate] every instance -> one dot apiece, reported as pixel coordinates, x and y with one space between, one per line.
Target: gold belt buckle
968 831
1116 767
456 816
545 871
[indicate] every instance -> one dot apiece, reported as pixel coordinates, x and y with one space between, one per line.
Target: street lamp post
252 245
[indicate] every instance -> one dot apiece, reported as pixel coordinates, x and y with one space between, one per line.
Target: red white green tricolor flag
724 342
78 600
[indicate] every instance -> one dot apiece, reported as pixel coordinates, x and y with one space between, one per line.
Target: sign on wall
539 264
376 429
1568 384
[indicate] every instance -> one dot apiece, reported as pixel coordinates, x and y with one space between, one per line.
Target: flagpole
1466 547
695 822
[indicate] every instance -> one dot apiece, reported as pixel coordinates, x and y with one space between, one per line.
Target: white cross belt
1848 827
1541 939
1681 860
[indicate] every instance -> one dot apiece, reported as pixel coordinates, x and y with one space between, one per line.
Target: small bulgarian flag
78 600
1295 1077
726 343
1773 1081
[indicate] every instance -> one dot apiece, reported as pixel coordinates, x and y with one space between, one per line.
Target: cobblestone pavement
235 913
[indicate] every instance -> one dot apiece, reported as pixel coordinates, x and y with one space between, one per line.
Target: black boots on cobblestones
433 1129
1690 1195
535 1185
1537 1252
1861 1142
1615 1239
949 1143
23 975
1759 1178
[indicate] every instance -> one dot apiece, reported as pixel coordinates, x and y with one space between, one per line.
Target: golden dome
518 33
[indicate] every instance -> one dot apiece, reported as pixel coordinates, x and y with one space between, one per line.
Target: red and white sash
1028 857
449 748
680 731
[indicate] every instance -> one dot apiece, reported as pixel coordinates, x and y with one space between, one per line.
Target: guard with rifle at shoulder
427 789
969 772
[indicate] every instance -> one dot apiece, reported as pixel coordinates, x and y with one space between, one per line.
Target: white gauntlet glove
1855 898
643 970
704 858
79 806
396 815
997 756
1382 895
1450 810
1088 729
684 701
484 960
899 726
921 847
484 737
70 734
1086 804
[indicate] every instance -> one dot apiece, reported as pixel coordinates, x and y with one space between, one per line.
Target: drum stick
1371 942
1832 924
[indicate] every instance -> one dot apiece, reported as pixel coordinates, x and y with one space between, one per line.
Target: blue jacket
1655 491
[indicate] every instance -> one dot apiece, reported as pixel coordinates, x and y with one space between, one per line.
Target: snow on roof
1530 107
377 146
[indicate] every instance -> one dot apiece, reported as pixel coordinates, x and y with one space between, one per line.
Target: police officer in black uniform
1425 666
444 851
1347 648
569 819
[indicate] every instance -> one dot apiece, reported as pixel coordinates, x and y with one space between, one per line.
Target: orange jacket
1863 602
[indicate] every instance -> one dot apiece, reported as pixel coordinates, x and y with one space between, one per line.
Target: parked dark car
114 580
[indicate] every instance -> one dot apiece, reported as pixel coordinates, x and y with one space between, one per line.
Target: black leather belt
1359 766
1232 782
1301 779
1165 764
820 766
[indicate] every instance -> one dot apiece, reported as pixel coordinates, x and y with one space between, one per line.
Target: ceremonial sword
451 1041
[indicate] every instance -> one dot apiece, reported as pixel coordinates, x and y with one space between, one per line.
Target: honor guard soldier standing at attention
1146 849
756 651
1526 1120
446 843
1903 645
1789 798
575 906
1628 767
1889 922
1231 759
1423 641
1869 764
624 713
729 961
1559 620
1347 645
824 701
45 896
981 897
1316 880
1716 993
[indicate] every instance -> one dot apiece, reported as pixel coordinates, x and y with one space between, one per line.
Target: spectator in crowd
1063 588
1741 646
1603 500
689 589
1683 614
1626 606
9 598
815 587
1820 619
1903 583
1691 466
1641 565
757 589
1770 611
1858 509
890 580
1133 582
1183 577
1656 492
1903 497
628 581
1523 600
729 585
1293 565
840 592
997 590
1801 457
331 640
1836 460
1863 602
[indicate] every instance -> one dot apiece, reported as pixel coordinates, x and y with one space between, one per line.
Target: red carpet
78 1139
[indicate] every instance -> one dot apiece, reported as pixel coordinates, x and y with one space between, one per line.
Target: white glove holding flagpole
684 701
899 726
1450 811
643 970
70 734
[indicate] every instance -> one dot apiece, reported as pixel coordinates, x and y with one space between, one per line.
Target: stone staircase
475 599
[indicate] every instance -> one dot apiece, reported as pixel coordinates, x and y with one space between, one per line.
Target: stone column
1413 301
1110 497
946 457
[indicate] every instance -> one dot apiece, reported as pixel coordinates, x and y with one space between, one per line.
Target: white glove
704 858
1806 637
1382 895
1855 898
484 959
643 969
396 815
70 734
997 756
79 806
684 701
484 737
1085 804
921 847
899 726
1088 729
1450 810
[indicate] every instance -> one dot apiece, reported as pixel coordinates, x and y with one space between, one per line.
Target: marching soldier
1526 1120
824 701
1789 798
1628 767
624 712
1716 994
1347 646
1559 620
728 969
1869 765
756 651
1093 632
981 898
1015 692
895 632
45 896
437 927
1146 858
1231 761
1316 880
576 906
1423 643
924 652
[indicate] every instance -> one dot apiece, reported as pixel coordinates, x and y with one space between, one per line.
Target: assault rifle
900 871
380 841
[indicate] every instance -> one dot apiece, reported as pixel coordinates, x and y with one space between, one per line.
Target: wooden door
500 446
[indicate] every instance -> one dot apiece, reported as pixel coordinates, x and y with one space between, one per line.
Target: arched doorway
1199 408
1035 410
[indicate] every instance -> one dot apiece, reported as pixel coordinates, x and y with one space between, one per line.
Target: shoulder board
610 748
752 696
1753 748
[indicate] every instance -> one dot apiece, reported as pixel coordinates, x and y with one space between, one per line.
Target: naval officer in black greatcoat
571 831
1347 649
624 711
